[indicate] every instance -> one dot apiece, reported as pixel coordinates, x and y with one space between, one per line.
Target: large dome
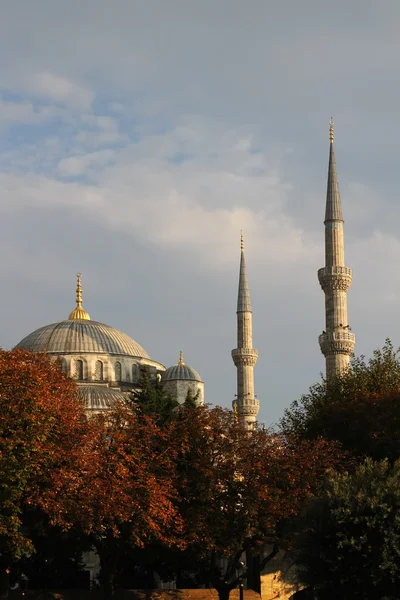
81 337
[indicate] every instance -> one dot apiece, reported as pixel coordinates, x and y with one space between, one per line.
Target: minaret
244 356
337 342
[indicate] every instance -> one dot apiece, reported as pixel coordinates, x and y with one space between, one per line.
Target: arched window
79 369
118 371
134 373
99 371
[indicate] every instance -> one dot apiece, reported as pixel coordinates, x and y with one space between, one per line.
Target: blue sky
138 138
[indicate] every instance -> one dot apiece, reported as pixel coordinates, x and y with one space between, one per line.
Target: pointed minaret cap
79 313
333 210
244 304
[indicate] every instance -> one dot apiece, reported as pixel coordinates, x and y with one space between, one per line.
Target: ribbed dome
98 397
81 337
180 372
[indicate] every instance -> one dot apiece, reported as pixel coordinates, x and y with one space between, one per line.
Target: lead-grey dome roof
180 372
99 397
81 337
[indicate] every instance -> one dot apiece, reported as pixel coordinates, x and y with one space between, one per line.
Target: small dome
81 337
99 397
181 372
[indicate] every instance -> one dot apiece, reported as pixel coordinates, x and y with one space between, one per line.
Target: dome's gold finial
331 131
79 312
181 358
79 289
241 241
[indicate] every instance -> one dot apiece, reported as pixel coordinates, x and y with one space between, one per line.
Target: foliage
236 489
123 497
360 407
152 399
350 547
41 419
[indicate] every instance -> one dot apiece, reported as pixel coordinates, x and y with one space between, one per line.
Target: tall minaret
244 356
337 342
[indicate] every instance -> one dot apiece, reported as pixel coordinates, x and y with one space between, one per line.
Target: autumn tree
41 425
360 407
124 497
237 489
350 545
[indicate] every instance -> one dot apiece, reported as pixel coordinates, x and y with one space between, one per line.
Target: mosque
107 363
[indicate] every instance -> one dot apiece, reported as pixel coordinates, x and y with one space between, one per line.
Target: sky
137 138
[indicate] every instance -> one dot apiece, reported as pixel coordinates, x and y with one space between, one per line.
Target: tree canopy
42 424
350 545
360 407
152 399
235 488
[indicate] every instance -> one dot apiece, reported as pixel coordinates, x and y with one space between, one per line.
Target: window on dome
99 371
118 371
134 373
79 369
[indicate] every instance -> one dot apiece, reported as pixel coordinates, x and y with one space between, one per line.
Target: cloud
197 205
60 90
74 166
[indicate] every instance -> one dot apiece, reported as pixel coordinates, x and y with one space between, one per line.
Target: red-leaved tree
124 495
237 488
42 424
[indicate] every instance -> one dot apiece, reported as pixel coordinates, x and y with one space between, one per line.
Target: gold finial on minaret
241 241
181 358
331 131
79 313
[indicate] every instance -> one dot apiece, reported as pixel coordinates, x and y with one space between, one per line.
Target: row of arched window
99 371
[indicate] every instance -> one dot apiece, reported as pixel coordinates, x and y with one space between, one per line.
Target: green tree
350 545
360 408
191 400
152 399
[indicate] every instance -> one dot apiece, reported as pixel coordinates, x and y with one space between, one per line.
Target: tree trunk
108 562
223 592
109 586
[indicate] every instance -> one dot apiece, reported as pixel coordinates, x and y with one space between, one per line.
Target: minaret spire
337 342
245 356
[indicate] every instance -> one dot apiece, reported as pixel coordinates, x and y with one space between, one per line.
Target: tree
152 399
236 489
360 407
123 497
350 546
41 425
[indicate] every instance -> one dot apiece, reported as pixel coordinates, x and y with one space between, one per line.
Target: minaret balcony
248 406
244 357
337 342
335 278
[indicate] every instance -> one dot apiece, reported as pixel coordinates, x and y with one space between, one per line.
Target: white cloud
197 205
60 90
73 166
